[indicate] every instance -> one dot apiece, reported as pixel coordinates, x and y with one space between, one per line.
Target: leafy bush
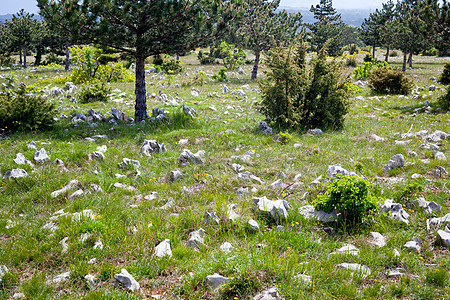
6 61
22 111
394 82
221 75
232 56
393 53
368 58
52 58
94 92
444 78
205 59
350 62
172 65
351 197
444 101
300 96
158 60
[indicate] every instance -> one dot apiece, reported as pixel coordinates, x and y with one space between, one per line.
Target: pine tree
261 27
140 28
22 30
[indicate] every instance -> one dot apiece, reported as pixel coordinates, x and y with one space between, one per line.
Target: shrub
232 56
352 198
444 78
158 60
221 75
368 58
394 82
52 58
350 62
438 277
6 61
393 53
207 60
444 101
298 96
172 65
94 92
362 71
22 111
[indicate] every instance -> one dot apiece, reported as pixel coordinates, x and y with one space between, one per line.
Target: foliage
97 91
52 58
408 193
22 111
394 82
221 75
444 101
351 197
6 61
297 96
368 58
172 65
393 53
351 62
205 59
363 71
36 288
240 287
438 277
158 60
232 56
444 78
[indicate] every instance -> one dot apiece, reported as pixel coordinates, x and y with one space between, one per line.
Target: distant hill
354 17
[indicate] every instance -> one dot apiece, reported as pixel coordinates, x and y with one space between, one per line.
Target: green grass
130 233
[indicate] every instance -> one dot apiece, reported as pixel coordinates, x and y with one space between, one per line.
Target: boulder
226 247
41 156
175 175
163 249
275 209
215 281
186 157
231 214
129 164
356 268
434 223
97 155
253 224
394 210
196 239
264 128
428 206
338 171
396 161
269 294
15 174
414 244
443 238
20 159
127 280
151 146
189 111
377 239
309 212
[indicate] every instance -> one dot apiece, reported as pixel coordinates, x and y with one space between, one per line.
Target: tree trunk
38 57
255 66
141 106
66 67
386 59
410 59
25 57
20 56
404 61
178 56
373 51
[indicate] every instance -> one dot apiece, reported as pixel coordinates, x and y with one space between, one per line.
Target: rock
119 115
315 131
196 239
41 156
303 277
309 212
437 136
189 111
376 138
280 228
226 247
163 249
443 238
50 226
275 209
428 206
361 269
253 224
225 89
194 94
432 88
241 71
90 280
264 128
186 157
86 214
64 245
124 186
396 161
297 177
394 210
15 174
96 116
78 193
3 272
434 223
102 149
20 159
127 280
113 122
414 244
129 164
269 294
18 295
276 184
151 146
338 171
170 202
246 157
395 272
439 155
238 168
56 91
242 192
175 175
61 277
438 172
231 214
347 249
97 155
429 146
211 218
377 239
247 176
315 182
215 281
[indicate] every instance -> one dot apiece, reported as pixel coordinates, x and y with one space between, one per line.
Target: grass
130 227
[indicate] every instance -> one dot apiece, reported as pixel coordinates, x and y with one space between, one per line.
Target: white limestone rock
275 209
363 270
196 239
163 249
215 281
377 239
127 280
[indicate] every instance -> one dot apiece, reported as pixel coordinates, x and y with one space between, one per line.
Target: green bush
444 101
363 70
438 277
22 111
221 75
351 62
158 60
207 60
393 53
368 58
94 92
297 95
52 58
232 56
444 78
351 198
394 82
6 61
172 65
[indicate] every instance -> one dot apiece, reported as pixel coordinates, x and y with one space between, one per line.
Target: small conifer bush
94 92
394 82
444 78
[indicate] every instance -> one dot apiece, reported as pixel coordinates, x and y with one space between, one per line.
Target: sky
13 6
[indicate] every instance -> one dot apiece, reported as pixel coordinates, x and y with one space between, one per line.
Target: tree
140 28
327 27
22 30
261 27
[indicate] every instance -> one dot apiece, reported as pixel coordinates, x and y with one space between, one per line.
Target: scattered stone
15 174
238 168
225 89
194 94
241 71
186 157
215 281
247 176
97 155
98 245
32 145
78 193
315 182
434 223
41 156
3 272
119 115
253 224
242 192
196 239
361 269
151 146
92 261
189 111
376 138
377 239
276 209
439 155
276 184
428 206
297 177
64 245
60 278
163 249
90 280
394 210
429 146
396 253
231 214
96 116
280 228
51 226
246 157
264 128
269 294
129 164
87 214
395 272
303 277
338 171
211 218
175 175
414 244
18 295
437 136
170 202
309 212
396 161
438 172
226 247
20 159
127 280
315 131
124 186
347 249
